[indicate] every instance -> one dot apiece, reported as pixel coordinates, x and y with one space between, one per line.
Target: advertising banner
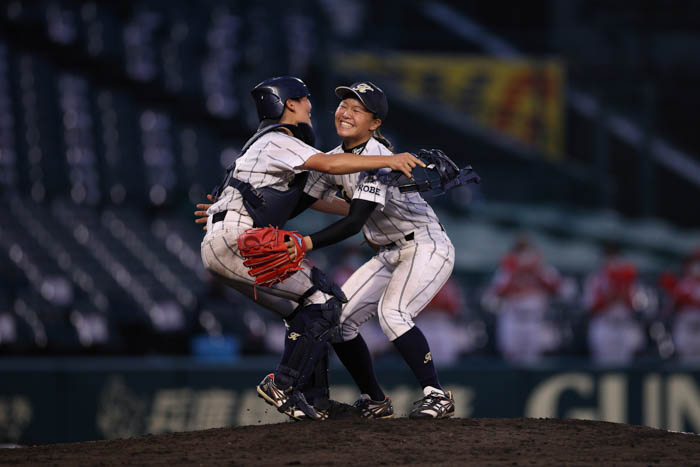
520 98
116 400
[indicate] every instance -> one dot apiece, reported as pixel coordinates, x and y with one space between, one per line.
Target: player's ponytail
382 139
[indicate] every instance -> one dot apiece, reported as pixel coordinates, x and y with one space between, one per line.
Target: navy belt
408 238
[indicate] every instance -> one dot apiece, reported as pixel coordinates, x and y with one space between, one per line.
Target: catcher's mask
271 95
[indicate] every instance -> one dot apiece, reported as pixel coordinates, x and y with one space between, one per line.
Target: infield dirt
385 442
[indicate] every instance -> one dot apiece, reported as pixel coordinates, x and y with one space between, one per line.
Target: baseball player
415 258
263 188
615 332
685 294
521 290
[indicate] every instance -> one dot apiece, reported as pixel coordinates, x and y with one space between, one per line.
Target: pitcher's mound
385 442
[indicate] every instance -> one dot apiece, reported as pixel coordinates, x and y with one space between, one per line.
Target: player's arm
360 210
305 202
336 206
338 164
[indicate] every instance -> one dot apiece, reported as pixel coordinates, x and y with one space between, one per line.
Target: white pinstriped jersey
397 215
269 162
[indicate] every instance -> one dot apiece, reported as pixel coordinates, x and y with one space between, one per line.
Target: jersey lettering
373 190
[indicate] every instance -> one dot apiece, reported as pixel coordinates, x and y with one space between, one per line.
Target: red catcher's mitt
266 255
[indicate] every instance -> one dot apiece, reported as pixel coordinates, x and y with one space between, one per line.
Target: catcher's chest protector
267 206
277 205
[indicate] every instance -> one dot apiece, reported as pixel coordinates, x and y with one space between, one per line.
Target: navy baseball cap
371 96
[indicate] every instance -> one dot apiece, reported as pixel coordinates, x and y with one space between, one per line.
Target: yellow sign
520 98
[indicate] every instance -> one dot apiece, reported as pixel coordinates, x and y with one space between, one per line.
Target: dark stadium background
117 117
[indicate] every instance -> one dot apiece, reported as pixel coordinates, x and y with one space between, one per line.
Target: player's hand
201 216
308 244
405 162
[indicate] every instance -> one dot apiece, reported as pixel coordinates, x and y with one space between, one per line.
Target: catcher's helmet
271 95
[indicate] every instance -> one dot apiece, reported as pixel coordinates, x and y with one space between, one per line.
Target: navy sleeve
303 204
360 210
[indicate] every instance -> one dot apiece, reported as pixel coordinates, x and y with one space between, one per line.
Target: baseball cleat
340 411
374 409
284 401
435 404
333 410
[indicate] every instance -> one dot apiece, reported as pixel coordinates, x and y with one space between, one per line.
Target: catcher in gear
262 188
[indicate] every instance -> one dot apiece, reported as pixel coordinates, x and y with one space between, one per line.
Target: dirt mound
385 442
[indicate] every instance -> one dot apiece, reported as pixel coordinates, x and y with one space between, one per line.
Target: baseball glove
266 255
438 176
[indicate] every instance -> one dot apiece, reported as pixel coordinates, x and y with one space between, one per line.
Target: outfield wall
60 400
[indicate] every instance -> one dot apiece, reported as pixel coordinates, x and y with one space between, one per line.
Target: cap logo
363 88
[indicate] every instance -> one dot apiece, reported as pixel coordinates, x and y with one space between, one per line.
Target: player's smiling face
353 122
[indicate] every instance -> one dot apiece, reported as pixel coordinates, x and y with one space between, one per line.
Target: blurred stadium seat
116 118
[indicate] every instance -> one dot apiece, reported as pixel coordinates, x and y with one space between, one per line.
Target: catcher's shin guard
316 390
309 346
310 327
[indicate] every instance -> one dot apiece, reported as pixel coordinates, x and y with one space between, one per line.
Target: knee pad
321 283
318 319
325 285
326 317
